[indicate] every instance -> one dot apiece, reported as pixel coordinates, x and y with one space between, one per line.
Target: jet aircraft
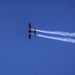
31 31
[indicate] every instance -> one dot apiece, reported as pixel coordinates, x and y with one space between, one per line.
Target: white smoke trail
57 38
57 33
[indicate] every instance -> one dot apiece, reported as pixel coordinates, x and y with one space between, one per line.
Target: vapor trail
57 33
57 38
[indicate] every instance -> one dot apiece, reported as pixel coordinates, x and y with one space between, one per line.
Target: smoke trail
57 33
57 38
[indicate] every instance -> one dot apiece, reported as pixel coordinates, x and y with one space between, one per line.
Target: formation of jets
30 31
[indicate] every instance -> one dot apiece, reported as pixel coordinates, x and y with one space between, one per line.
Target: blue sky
38 56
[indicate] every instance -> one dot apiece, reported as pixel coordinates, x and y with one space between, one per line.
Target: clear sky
38 56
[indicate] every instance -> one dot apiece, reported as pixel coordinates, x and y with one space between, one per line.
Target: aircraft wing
29 36
29 30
